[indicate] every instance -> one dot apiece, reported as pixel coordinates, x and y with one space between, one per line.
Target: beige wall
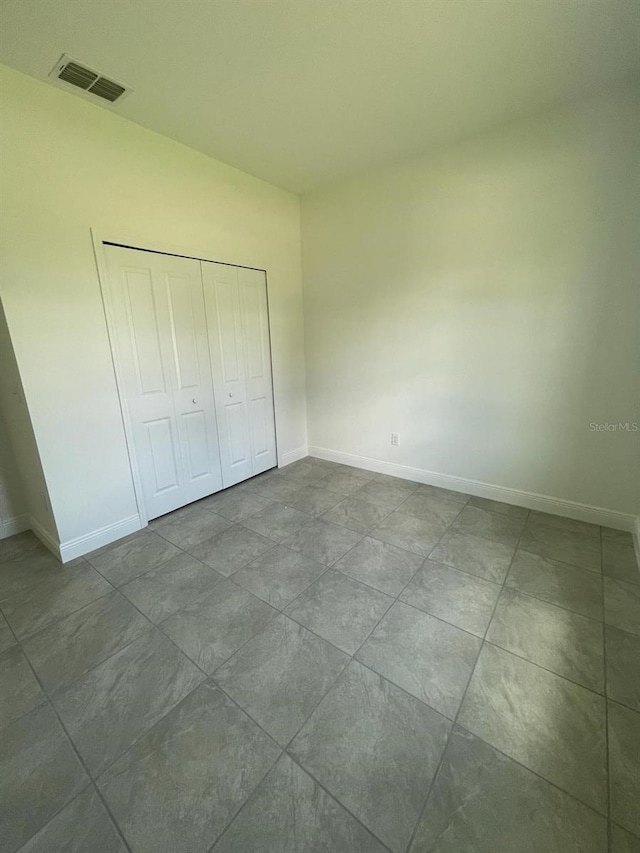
484 303
68 166
13 508
21 477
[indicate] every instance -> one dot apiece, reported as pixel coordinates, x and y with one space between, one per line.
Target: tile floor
324 659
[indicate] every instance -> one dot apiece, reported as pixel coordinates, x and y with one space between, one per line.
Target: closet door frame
99 239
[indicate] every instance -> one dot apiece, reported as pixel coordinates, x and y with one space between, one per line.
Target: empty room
320 426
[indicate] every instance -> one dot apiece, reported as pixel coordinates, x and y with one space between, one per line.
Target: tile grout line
553 604
275 607
562 563
45 701
57 566
282 544
146 730
480 637
336 568
338 676
282 610
80 760
90 785
545 668
352 657
212 679
316 517
173 708
453 723
207 677
212 676
340 803
132 744
239 523
294 735
524 518
258 785
307 628
353 530
331 567
464 695
246 714
424 557
120 648
226 660
606 704
313 778
153 626
535 773
151 623
153 568
397 599
60 618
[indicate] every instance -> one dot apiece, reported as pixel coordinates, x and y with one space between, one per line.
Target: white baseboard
14 524
45 537
73 548
529 500
293 456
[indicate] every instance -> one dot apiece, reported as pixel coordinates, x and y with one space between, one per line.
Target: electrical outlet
395 439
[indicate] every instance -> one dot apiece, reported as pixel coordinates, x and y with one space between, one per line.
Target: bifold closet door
159 323
238 323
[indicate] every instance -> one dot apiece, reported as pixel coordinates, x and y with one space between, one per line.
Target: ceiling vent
74 75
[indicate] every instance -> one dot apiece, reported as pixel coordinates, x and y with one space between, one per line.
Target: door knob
231 395
195 400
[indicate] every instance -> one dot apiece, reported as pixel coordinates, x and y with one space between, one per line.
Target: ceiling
302 92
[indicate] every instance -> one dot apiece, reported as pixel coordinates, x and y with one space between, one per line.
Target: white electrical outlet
395 439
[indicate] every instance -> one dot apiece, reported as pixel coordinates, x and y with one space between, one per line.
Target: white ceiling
301 92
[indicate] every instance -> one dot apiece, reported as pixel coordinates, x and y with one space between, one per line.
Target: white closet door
236 301
161 339
255 324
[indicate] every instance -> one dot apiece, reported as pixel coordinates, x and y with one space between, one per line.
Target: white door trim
98 240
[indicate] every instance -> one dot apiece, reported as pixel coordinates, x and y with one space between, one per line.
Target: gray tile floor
323 659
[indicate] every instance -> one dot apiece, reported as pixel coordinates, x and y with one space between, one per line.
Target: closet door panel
237 435
193 396
227 329
139 322
180 293
197 438
255 324
163 355
260 433
224 322
254 320
162 446
143 327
